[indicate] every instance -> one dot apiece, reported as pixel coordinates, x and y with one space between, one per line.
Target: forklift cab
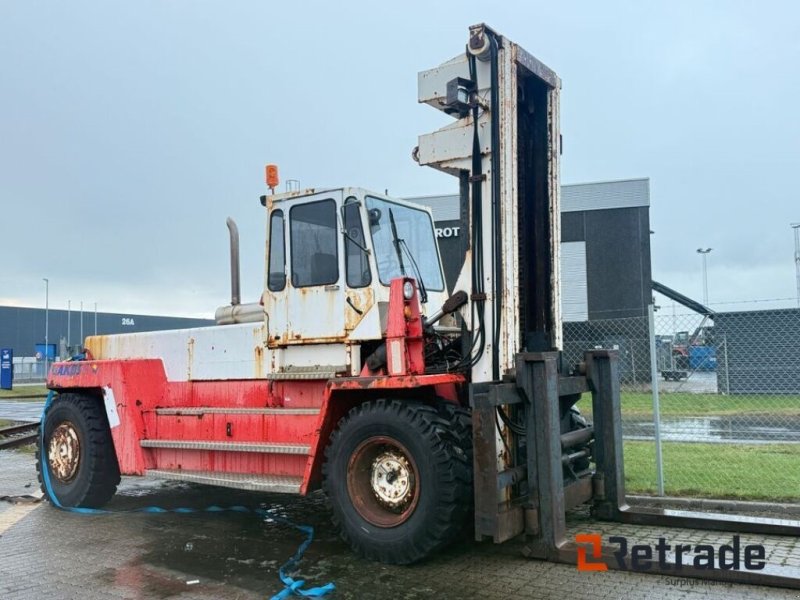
331 256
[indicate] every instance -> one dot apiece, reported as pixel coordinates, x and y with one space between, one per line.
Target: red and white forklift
356 373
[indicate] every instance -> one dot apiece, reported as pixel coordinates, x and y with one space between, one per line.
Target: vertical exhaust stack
236 312
236 290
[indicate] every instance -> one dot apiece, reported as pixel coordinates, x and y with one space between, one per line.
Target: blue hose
291 585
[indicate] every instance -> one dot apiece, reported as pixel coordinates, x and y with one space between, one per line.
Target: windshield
415 229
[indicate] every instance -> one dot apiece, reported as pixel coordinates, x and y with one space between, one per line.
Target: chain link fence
729 400
29 369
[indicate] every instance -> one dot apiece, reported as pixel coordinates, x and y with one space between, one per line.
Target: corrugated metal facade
574 295
627 193
601 195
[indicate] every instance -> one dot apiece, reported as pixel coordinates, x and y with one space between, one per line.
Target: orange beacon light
272 177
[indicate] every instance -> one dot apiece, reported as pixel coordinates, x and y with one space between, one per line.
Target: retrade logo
596 543
668 557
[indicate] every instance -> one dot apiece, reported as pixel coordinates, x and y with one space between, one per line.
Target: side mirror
374 218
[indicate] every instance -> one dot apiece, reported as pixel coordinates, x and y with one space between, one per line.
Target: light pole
796 227
704 253
46 321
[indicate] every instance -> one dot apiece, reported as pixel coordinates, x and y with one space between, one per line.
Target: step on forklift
357 374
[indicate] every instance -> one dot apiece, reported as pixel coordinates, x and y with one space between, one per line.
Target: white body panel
203 353
222 352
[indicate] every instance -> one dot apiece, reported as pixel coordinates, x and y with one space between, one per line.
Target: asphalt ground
47 553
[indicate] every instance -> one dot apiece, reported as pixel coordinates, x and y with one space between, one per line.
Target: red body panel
136 384
404 341
140 387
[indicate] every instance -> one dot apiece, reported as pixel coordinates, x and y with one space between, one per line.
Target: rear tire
398 481
79 452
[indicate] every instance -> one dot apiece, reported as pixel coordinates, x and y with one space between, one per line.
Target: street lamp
46 321
704 253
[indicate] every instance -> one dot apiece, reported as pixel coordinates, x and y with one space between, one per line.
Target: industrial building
605 237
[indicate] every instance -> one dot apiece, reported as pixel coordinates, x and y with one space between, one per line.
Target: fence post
725 354
651 321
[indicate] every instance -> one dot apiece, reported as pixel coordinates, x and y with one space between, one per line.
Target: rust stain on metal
403 381
297 338
259 361
98 345
361 299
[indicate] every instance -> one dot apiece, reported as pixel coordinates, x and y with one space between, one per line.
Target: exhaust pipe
236 292
237 312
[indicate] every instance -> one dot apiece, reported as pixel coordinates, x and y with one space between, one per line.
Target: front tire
78 451
398 481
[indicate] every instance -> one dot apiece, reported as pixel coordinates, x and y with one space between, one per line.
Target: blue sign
6 368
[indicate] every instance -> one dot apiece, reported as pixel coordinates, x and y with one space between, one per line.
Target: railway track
18 435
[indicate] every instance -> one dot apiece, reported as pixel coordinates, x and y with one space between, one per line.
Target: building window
276 278
315 255
355 253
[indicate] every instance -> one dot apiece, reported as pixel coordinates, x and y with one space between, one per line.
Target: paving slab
46 553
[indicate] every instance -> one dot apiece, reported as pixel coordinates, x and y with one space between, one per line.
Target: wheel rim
64 452
383 481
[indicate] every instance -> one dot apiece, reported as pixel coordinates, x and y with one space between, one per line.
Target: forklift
356 373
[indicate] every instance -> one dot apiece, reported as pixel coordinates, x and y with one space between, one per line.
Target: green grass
640 404
28 390
754 472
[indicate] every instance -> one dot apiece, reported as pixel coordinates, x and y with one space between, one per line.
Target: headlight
408 290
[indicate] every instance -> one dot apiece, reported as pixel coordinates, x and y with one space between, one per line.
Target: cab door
314 295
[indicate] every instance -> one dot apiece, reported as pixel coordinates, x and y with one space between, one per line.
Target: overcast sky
130 130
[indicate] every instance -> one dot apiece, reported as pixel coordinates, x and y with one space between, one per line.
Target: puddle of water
230 549
750 429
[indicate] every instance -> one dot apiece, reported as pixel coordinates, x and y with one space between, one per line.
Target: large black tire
460 420
437 494
82 465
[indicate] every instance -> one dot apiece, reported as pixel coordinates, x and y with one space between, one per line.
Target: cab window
315 255
356 257
276 274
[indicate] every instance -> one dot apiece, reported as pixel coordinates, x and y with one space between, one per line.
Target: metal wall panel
575 197
628 193
574 292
